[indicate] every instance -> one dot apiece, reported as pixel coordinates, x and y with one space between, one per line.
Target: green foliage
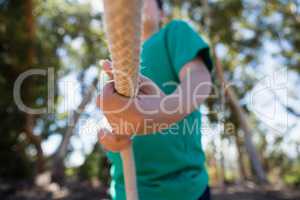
95 166
239 30
55 26
13 45
292 177
71 172
68 37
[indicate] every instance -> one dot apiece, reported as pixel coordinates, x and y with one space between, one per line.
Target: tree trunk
33 139
241 164
36 141
298 149
58 167
236 108
222 169
30 31
263 151
233 101
214 163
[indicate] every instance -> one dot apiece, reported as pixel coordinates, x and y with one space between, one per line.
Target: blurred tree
58 168
66 36
36 34
95 166
18 54
241 31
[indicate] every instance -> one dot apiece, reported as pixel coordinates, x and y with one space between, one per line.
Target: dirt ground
88 191
242 193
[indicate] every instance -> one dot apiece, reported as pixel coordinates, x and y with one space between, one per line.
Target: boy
165 114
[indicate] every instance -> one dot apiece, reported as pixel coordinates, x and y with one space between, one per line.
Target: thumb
102 133
107 67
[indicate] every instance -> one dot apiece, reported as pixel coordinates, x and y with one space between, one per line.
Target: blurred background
250 131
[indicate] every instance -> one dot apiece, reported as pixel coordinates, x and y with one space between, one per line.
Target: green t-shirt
169 164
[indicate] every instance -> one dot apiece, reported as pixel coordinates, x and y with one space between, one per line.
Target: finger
107 68
108 88
120 136
107 92
103 133
112 143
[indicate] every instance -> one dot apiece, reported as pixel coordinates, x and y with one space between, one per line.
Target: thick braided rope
123 27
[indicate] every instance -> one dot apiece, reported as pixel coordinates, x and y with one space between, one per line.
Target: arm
194 88
152 110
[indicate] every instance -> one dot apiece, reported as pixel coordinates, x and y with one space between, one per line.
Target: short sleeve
184 44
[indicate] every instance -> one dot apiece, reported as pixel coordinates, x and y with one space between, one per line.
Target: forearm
194 88
152 110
